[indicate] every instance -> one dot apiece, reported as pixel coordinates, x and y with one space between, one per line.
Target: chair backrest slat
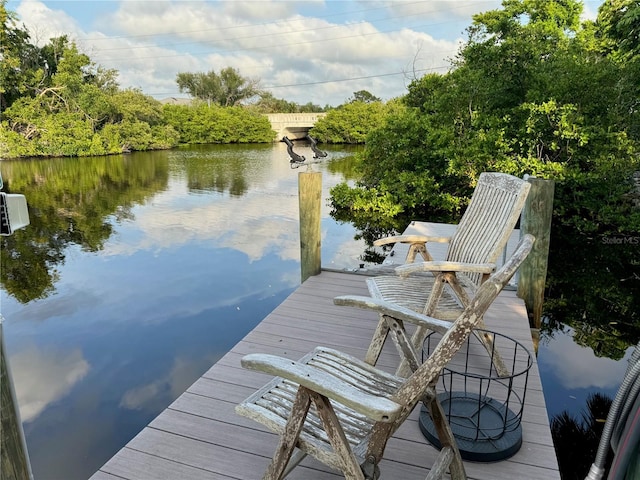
488 221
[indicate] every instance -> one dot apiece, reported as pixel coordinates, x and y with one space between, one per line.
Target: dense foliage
15 58
80 111
214 124
541 97
56 102
533 91
351 122
268 103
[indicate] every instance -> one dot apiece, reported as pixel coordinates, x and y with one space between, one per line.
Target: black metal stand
483 408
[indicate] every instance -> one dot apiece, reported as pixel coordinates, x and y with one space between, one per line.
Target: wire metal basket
484 408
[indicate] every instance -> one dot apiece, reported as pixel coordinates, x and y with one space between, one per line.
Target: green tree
267 103
79 111
227 88
521 99
350 123
619 22
311 107
363 96
16 54
532 91
215 124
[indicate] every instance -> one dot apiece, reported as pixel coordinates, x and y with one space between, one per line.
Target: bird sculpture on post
317 153
295 158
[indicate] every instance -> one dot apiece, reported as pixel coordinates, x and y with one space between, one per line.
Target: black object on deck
484 409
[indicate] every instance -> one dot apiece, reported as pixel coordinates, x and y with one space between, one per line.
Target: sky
318 51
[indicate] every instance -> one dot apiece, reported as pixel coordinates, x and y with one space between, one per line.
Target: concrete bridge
293 125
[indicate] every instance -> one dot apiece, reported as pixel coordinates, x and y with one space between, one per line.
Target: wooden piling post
14 458
536 220
309 197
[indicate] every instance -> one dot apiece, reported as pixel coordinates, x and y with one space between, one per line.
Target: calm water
139 272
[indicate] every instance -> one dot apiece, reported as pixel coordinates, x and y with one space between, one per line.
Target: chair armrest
377 408
394 311
407 269
410 239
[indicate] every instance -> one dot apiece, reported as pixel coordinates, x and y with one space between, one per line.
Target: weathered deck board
200 437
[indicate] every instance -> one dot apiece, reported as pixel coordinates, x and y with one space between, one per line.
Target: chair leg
403 343
416 248
439 468
289 438
451 279
377 342
445 435
486 339
337 438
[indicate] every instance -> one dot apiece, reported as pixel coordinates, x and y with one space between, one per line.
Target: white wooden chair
474 249
342 411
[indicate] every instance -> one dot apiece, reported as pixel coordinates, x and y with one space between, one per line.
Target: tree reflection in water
136 274
593 285
70 202
576 438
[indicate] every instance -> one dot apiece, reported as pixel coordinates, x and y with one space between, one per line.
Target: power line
338 80
254 25
271 34
365 77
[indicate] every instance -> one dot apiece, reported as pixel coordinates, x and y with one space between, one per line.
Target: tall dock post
309 197
14 458
536 220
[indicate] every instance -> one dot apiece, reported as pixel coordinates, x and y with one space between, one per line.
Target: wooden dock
200 437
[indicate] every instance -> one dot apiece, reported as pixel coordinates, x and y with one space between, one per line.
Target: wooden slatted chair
474 249
342 411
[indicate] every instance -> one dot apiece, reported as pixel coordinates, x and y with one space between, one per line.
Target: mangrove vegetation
535 91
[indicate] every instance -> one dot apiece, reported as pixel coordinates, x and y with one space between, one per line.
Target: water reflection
45 376
136 274
570 372
139 272
594 287
70 202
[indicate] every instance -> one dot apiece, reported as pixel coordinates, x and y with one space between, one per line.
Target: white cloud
578 367
42 377
244 226
137 398
44 22
279 42
154 395
590 11
334 48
